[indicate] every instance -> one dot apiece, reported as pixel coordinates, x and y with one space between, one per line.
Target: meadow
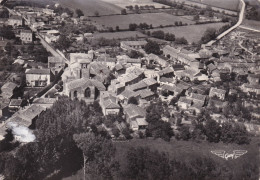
123 21
225 4
89 7
192 33
124 3
229 6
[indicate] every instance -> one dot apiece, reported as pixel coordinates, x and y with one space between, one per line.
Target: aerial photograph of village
129 89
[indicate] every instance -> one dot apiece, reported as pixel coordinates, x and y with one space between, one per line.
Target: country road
248 28
239 22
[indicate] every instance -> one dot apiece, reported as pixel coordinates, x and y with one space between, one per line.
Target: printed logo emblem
236 154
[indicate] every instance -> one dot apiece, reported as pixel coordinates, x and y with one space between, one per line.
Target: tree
132 27
79 13
96 13
184 133
123 12
169 37
6 32
135 54
158 34
117 28
212 131
181 40
196 17
208 35
63 42
98 155
142 163
133 100
9 47
152 47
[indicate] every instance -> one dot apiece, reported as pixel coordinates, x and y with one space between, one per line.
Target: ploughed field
156 19
192 33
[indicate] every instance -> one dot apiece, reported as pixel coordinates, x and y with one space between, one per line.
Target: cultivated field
251 24
192 33
229 6
123 21
124 3
119 35
225 4
89 7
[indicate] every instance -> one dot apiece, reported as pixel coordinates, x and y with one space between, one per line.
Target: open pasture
228 6
192 33
89 7
124 3
225 4
123 21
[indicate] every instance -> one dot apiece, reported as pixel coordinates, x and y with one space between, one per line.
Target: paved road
45 44
240 20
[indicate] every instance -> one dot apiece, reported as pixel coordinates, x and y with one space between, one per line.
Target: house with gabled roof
220 93
9 89
184 103
38 77
109 103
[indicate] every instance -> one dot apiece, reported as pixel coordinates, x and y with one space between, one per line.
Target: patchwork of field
192 33
124 3
123 21
89 7
119 35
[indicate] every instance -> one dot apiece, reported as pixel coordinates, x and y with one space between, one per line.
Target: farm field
229 6
124 3
226 4
251 24
123 21
89 7
188 150
119 35
192 33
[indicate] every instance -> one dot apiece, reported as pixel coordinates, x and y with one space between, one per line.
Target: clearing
89 7
123 21
124 3
192 33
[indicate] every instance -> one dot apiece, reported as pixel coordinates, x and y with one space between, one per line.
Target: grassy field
188 150
225 4
192 33
89 7
124 3
229 6
251 24
119 35
123 21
